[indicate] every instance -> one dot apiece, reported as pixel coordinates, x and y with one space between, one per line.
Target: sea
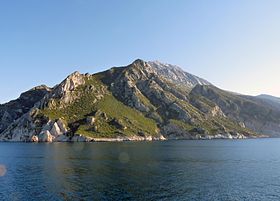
204 170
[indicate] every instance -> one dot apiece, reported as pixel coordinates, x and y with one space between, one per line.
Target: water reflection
3 170
175 170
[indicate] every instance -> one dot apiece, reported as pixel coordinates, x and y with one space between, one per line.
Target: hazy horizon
233 44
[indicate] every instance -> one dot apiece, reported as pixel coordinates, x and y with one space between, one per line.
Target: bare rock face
55 131
144 87
58 128
45 136
73 81
172 131
179 113
69 84
177 75
30 126
216 111
21 129
62 126
125 86
11 111
65 92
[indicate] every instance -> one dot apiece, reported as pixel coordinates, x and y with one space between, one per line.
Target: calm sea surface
172 170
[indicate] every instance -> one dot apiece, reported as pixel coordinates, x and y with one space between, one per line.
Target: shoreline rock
46 137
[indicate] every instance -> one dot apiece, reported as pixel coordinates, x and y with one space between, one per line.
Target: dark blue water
172 170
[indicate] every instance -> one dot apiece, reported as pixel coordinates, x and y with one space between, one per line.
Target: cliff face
16 108
141 101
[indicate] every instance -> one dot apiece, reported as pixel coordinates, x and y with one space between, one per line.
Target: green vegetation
88 103
79 109
184 126
132 118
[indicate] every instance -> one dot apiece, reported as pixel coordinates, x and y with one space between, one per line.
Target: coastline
137 138
81 138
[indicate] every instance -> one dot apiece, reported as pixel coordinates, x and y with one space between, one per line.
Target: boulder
34 138
58 128
45 136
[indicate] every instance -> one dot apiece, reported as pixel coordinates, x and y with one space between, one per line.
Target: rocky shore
46 137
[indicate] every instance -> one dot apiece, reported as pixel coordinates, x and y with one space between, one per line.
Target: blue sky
233 44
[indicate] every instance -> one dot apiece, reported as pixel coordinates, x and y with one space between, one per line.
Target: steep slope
176 75
271 100
16 108
249 111
141 101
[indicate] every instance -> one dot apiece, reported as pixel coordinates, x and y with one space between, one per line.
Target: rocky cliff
141 101
13 110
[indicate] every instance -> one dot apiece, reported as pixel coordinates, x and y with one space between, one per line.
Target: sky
233 44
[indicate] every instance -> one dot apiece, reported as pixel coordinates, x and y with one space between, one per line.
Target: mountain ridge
141 101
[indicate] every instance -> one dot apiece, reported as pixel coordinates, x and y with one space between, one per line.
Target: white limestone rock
45 136
34 138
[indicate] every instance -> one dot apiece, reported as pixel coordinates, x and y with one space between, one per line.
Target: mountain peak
138 61
176 74
164 65
169 72
41 87
74 74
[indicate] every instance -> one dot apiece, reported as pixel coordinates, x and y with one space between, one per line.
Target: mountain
141 101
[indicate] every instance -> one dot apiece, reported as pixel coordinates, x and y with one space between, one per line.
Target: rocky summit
141 101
